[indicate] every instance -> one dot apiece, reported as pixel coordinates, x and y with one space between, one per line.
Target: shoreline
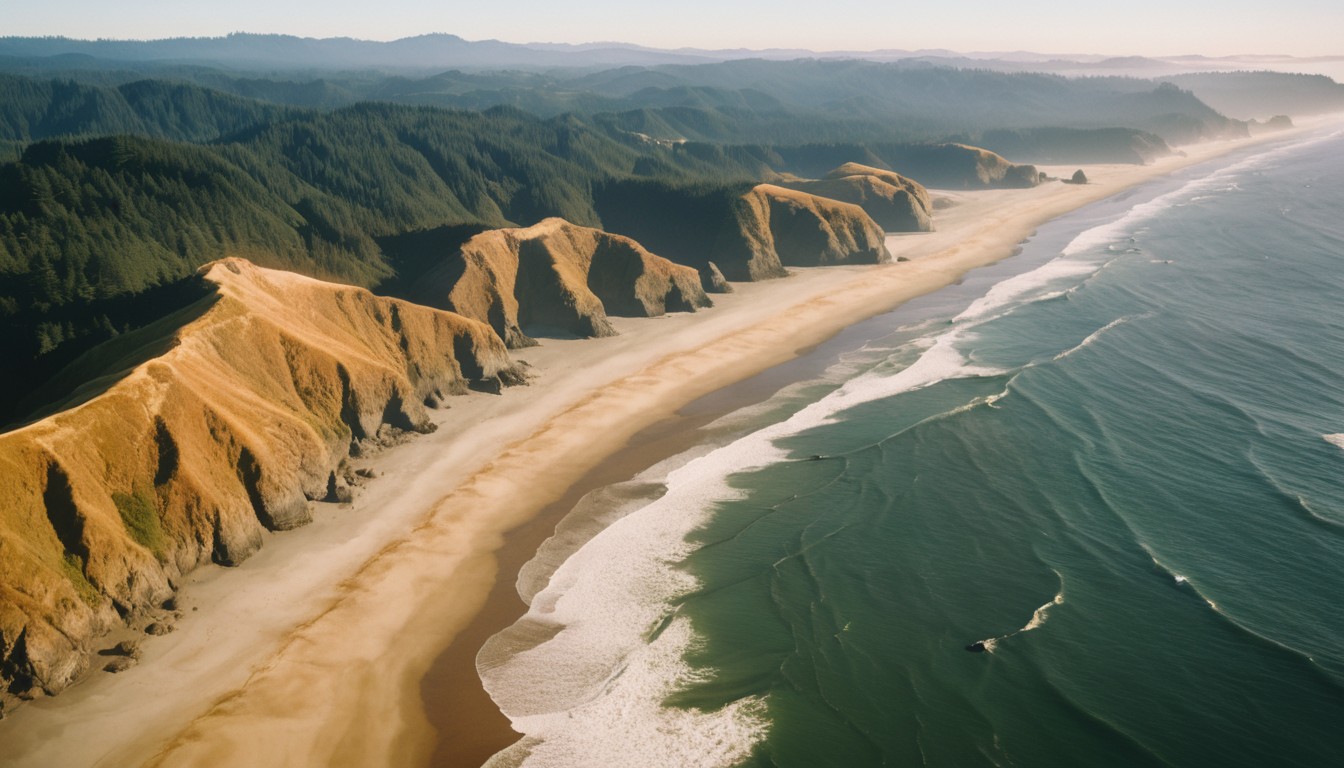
469 725
315 650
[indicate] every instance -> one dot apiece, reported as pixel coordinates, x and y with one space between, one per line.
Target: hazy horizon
1303 28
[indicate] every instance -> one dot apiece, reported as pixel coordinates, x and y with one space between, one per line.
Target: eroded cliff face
961 166
895 203
191 457
558 277
780 227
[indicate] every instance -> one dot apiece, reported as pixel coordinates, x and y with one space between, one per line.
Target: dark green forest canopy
87 222
115 188
747 101
32 109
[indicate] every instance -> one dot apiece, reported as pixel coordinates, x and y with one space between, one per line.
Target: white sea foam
1011 292
585 674
590 651
602 641
1219 182
1036 621
1039 616
1093 336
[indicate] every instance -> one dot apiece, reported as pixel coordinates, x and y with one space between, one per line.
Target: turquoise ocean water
1084 508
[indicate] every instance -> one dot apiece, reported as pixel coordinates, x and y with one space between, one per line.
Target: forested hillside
1261 95
114 187
85 223
747 101
32 109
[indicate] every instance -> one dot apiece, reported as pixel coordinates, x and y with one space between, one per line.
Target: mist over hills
744 101
1259 95
423 53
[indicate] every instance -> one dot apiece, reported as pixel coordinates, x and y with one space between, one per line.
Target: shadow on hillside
84 368
413 255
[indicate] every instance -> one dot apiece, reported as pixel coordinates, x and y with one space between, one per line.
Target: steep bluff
557 277
746 232
896 203
778 227
961 166
191 456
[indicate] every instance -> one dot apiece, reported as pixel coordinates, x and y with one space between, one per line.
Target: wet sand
319 651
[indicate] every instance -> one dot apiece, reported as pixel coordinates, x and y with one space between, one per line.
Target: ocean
1083 508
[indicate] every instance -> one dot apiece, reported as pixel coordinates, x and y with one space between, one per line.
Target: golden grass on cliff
558 276
187 458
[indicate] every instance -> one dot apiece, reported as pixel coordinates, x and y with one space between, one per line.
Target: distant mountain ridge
264 51
441 51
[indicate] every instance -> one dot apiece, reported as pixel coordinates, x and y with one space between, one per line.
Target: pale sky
1138 27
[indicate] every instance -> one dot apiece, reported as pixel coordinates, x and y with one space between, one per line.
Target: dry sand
312 652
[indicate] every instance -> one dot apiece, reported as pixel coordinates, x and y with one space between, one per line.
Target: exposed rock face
713 279
778 227
896 203
1275 123
960 166
557 276
192 456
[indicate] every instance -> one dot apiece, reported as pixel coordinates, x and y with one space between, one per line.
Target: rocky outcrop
557 277
896 203
777 227
1275 123
960 166
713 279
192 456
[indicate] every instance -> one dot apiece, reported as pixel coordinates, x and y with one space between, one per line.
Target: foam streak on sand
603 639
311 653
1218 182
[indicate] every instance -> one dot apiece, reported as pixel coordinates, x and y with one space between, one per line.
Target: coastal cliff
895 203
557 277
778 227
961 166
206 431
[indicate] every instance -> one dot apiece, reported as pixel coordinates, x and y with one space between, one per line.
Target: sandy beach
313 652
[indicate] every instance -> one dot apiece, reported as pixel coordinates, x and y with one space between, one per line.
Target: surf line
1038 618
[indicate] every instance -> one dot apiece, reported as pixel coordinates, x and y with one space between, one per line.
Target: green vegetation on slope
99 233
139 512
